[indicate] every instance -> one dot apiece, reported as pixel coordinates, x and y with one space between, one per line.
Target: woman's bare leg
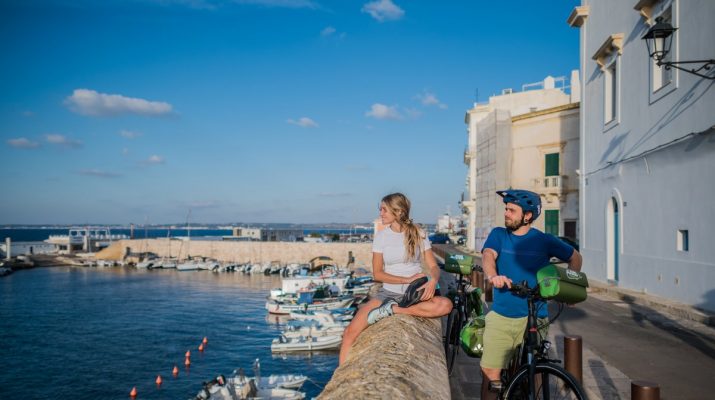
437 306
357 325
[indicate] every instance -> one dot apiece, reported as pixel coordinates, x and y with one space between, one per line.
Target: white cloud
429 99
22 143
327 31
383 10
92 103
62 140
305 122
381 111
129 134
154 160
98 173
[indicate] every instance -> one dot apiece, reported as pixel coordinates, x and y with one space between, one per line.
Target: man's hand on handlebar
499 281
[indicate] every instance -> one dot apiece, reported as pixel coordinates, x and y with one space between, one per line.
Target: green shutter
551 222
552 164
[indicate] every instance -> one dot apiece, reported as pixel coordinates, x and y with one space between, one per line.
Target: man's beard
514 225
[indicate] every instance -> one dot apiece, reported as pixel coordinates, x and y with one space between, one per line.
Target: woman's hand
429 288
414 277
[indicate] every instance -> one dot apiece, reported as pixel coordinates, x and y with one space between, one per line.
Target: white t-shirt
392 246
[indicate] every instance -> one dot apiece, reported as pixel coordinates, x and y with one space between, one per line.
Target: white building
266 235
647 149
448 224
525 140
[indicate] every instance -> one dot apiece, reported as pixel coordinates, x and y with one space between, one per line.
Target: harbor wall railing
400 357
242 252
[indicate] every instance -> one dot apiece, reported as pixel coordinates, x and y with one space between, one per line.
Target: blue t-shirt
519 258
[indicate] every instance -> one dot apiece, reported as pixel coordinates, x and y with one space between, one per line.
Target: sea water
94 333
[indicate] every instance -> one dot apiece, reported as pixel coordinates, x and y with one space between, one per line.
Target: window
610 92
551 163
682 240
551 222
660 75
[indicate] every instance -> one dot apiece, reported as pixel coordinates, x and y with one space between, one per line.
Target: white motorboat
305 343
315 331
322 316
287 381
239 389
146 263
189 265
276 307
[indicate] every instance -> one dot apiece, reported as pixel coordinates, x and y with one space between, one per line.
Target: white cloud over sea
92 103
383 10
304 122
22 143
381 111
63 141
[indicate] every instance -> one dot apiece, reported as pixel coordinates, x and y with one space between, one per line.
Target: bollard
488 291
644 390
573 356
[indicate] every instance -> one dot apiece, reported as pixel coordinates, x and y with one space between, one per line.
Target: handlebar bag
459 263
562 284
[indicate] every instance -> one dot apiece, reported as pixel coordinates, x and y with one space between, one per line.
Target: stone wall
400 357
284 252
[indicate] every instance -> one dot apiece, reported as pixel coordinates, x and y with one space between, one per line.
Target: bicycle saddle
412 295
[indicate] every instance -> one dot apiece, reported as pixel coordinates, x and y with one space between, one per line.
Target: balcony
550 184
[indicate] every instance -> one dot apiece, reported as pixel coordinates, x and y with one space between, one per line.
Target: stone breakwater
400 357
242 252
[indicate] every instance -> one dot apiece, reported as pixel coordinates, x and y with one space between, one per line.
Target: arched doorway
613 239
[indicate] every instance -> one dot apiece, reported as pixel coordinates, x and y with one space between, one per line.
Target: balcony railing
552 182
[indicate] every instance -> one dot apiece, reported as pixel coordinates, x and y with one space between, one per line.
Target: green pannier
459 264
561 284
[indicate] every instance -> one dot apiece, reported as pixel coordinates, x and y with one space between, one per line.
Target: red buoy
133 393
175 371
205 341
158 380
201 347
187 362
188 353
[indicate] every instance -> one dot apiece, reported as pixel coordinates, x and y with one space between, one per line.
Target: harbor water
94 333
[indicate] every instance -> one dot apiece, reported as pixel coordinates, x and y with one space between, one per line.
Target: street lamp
659 39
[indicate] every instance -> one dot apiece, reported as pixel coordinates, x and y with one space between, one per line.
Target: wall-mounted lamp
659 38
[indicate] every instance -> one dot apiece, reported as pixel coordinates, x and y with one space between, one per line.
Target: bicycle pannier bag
458 264
562 284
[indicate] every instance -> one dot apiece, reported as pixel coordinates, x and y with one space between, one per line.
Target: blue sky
305 111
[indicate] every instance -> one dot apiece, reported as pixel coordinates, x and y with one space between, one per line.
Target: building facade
267 235
526 140
647 149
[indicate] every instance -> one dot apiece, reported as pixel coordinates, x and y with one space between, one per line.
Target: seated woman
397 254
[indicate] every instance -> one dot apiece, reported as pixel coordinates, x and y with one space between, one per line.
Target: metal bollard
488 291
644 390
573 356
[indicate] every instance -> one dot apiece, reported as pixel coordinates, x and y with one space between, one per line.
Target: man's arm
489 265
575 261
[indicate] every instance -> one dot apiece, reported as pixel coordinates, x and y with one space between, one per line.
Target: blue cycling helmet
528 201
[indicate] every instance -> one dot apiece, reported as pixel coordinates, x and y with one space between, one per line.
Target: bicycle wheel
552 383
451 341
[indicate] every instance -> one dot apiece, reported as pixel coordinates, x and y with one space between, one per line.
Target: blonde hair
399 205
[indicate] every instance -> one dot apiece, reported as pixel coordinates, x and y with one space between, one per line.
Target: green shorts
502 335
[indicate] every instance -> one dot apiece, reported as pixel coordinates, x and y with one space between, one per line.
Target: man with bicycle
514 254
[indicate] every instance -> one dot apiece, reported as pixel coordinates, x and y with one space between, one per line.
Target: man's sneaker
385 310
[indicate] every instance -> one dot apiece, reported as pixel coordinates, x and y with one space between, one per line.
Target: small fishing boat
305 343
277 307
293 331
